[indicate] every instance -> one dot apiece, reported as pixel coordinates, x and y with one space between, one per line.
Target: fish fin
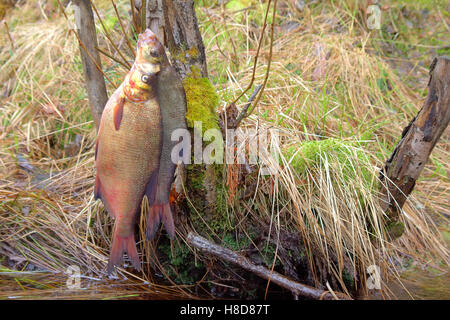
150 189
160 213
153 221
96 149
121 245
167 219
118 112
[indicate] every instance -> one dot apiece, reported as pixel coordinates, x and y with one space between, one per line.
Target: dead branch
123 29
107 35
244 111
273 276
255 62
409 157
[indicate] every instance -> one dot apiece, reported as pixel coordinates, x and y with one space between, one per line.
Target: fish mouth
147 37
148 42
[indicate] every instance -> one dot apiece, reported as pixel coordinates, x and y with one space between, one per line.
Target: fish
128 149
172 100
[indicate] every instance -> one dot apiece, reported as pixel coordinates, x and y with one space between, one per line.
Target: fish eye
145 78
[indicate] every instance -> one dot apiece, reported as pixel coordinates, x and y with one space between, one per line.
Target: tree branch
409 157
273 276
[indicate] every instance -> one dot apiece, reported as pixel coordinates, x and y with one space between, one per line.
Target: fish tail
160 213
121 245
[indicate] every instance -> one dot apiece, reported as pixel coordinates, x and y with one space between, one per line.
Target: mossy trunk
175 24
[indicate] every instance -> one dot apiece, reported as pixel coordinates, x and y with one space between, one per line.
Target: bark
273 276
95 82
418 140
175 24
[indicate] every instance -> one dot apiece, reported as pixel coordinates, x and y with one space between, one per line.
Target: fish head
149 58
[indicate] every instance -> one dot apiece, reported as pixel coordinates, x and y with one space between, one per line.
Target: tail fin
160 213
121 245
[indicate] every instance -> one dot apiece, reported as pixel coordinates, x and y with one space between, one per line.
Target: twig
257 54
143 15
275 277
90 56
111 57
9 35
269 63
243 113
61 7
137 28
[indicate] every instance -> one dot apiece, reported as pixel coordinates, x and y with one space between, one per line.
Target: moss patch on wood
202 101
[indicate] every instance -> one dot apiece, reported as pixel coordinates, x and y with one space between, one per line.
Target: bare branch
87 38
273 276
411 154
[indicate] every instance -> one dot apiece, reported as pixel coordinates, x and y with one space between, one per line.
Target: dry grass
324 83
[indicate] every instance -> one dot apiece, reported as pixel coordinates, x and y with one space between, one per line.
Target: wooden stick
95 82
137 27
111 57
418 140
123 29
273 276
9 35
255 61
244 111
107 35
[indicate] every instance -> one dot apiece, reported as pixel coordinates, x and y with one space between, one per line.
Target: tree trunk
418 140
95 82
175 24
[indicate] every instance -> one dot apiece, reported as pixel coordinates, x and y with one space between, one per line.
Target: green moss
268 254
348 279
180 264
184 55
202 101
395 229
193 52
230 241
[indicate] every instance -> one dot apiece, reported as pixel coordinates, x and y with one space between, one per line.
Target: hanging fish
132 146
